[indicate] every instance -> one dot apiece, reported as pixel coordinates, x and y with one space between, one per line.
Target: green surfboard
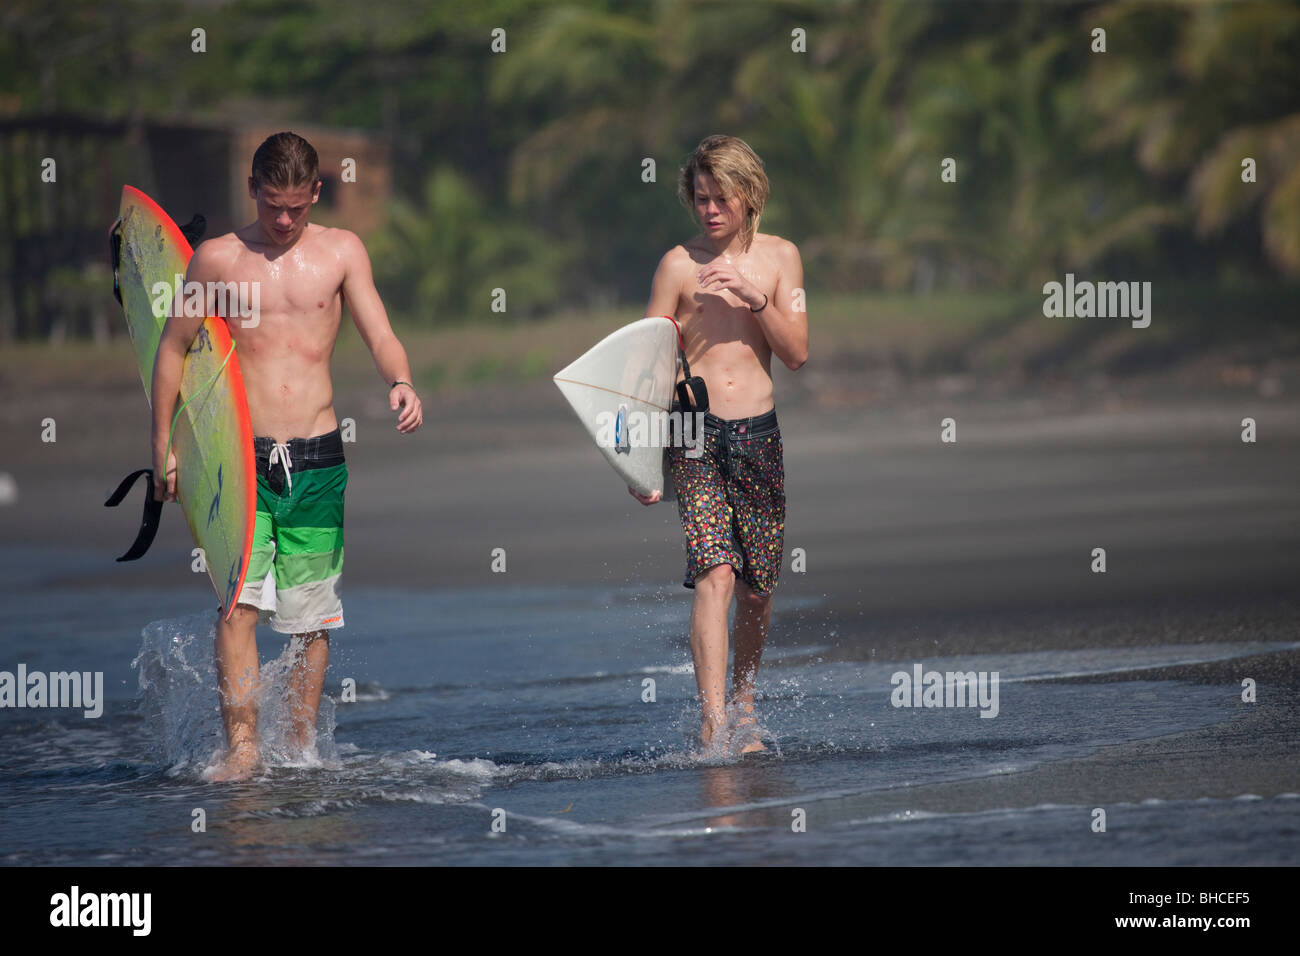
212 436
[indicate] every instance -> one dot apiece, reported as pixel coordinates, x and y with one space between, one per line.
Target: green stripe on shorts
305 523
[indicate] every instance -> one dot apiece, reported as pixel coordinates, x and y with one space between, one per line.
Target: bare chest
296 308
718 317
290 284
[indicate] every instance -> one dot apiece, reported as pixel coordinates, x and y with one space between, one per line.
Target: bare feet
720 737
240 764
712 731
745 732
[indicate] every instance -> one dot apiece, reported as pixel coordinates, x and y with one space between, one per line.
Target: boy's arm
665 287
785 319
177 336
372 322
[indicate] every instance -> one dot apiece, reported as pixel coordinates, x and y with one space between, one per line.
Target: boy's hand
412 415
717 276
164 489
645 499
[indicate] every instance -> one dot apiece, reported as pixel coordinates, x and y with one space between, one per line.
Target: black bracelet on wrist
400 382
761 307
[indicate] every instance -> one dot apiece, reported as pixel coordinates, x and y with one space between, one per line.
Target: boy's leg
306 682
713 591
757 496
753 615
308 571
235 648
236 658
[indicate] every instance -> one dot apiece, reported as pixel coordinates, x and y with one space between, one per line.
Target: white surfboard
622 391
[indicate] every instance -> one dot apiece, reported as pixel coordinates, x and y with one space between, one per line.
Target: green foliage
440 261
522 170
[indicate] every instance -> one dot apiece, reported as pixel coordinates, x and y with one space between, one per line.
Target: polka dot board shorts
731 498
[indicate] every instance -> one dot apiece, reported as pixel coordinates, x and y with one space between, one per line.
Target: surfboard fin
194 229
115 256
152 512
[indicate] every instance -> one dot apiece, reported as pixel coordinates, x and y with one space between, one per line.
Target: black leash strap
691 392
152 512
692 396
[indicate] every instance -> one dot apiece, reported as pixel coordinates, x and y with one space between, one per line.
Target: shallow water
527 707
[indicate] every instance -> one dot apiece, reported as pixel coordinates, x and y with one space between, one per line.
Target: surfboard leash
692 394
152 506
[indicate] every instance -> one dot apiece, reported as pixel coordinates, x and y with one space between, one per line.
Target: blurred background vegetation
522 169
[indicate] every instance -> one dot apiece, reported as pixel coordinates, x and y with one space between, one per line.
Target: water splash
177 683
177 680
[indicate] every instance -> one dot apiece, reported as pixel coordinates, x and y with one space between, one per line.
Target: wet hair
285 161
738 172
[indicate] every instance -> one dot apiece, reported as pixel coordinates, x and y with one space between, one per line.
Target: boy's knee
309 639
242 620
718 581
750 600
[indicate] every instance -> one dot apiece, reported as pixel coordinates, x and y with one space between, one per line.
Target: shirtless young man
737 295
304 272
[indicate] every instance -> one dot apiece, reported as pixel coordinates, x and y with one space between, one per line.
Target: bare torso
725 344
284 352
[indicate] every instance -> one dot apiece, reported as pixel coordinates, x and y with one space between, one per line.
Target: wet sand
891 520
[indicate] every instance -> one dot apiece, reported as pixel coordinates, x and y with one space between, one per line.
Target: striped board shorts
294 573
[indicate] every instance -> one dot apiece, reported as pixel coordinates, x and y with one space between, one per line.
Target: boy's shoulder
683 251
217 251
331 234
689 254
680 260
780 249
225 241
344 244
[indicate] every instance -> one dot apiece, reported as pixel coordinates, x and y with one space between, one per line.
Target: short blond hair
738 171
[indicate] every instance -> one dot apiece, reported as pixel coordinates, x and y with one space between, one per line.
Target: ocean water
515 728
